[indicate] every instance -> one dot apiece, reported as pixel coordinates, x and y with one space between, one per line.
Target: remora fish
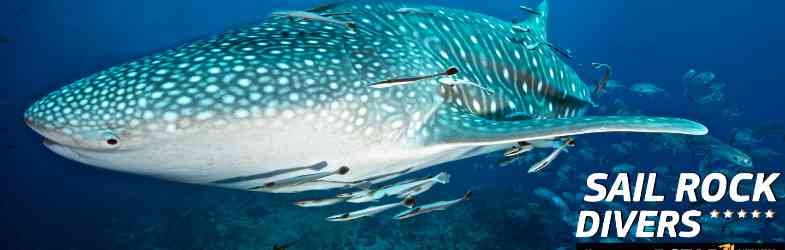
524 147
281 94
367 184
409 80
304 15
402 189
410 185
321 202
371 211
519 149
545 162
415 190
299 180
436 206
513 153
530 10
361 196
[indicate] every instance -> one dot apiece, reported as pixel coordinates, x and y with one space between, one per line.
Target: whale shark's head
92 121
194 109
241 101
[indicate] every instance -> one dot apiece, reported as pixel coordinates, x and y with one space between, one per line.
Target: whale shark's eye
111 141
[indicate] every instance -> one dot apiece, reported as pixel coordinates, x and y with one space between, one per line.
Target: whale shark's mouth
61 149
50 136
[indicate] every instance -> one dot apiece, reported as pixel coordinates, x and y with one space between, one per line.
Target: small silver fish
370 211
530 10
436 206
363 184
566 53
404 186
521 148
321 202
408 80
362 196
368 194
415 191
368 183
304 15
299 180
540 165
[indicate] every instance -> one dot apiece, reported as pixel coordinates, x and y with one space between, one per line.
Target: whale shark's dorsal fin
538 23
451 126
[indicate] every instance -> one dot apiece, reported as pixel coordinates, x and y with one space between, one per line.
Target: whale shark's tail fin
453 127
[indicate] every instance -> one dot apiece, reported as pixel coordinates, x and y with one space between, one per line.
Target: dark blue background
50 202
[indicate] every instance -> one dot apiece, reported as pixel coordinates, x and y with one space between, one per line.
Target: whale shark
289 98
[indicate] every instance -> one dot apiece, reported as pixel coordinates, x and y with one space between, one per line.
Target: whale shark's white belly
256 147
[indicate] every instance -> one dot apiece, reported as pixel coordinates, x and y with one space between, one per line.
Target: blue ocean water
52 203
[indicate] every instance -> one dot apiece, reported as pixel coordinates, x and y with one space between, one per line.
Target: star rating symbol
755 214
728 214
742 214
770 214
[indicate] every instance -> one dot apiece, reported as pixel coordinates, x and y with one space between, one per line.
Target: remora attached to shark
255 104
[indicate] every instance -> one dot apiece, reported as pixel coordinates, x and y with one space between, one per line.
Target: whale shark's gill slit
315 167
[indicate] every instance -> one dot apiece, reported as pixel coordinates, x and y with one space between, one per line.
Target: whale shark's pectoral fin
451 126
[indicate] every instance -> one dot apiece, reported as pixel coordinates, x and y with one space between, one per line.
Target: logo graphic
727 247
